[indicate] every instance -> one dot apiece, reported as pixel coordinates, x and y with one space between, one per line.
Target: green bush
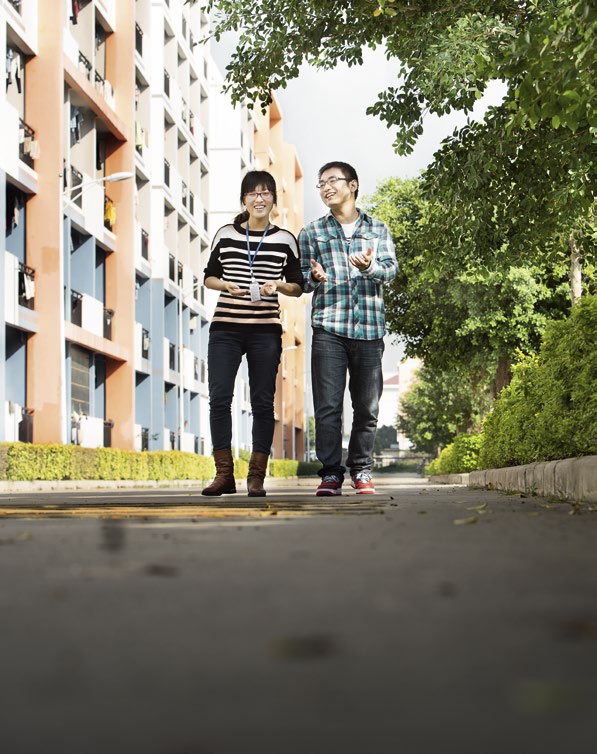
549 410
28 462
458 457
308 468
282 467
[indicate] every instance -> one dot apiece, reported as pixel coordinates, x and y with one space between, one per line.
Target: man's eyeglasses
332 181
252 195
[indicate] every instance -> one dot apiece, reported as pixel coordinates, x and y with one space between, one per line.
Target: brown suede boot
224 483
256 475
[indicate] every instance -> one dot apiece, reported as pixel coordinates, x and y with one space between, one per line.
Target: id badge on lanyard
254 285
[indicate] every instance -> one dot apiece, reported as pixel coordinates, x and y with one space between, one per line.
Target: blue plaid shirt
351 303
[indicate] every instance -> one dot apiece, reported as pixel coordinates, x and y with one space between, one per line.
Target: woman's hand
234 289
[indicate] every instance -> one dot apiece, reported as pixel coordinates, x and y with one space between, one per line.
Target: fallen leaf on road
479 508
463 521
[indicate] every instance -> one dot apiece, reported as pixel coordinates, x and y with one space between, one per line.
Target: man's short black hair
347 170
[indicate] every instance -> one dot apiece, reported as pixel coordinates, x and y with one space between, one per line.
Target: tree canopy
524 173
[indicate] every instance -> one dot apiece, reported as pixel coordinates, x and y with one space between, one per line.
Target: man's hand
363 260
317 272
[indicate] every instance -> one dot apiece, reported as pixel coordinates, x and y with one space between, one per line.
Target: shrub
308 468
28 462
549 410
282 467
458 457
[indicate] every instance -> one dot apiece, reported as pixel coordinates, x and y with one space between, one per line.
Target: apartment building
105 171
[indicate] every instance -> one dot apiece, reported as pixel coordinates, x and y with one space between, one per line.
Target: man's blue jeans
332 358
224 353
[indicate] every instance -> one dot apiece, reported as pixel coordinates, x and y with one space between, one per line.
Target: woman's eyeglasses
252 195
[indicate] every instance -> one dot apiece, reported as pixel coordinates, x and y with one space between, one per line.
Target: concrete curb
449 479
573 479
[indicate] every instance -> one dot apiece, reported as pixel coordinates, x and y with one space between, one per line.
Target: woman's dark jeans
224 354
332 357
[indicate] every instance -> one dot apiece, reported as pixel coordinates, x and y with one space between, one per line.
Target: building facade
107 179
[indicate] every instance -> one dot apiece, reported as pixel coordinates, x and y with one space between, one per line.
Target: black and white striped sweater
277 259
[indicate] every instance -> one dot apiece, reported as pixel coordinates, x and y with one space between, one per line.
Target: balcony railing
139 39
144 244
108 425
76 308
108 317
76 180
26 425
26 285
27 143
85 65
145 343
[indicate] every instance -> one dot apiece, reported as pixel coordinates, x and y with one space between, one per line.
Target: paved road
420 621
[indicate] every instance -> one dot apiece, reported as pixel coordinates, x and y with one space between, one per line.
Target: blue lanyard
252 258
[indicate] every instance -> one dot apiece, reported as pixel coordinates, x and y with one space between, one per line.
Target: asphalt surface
421 620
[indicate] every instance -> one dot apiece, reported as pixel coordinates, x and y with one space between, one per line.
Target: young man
346 256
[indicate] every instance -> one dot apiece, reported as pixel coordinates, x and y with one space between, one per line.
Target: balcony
139 39
26 286
76 180
76 308
167 173
108 317
191 203
184 195
16 4
172 356
145 343
109 213
144 244
166 83
85 66
28 147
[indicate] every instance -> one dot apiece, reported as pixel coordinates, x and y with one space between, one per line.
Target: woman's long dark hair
249 183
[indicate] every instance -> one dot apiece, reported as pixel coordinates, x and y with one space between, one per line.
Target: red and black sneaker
363 483
331 484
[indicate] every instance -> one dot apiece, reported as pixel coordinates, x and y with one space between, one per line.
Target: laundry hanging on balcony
109 212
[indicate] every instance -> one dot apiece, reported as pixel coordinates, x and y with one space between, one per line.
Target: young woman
251 262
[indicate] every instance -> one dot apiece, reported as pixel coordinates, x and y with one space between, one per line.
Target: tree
452 309
440 405
528 165
386 437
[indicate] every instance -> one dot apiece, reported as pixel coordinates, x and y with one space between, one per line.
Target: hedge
549 410
28 462
459 457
